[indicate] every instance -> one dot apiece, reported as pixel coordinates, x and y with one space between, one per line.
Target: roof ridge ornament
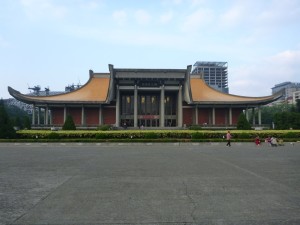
91 72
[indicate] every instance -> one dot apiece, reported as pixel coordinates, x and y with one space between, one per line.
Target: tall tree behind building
6 127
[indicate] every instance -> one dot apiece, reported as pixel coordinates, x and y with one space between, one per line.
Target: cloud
166 17
288 57
198 19
243 80
257 78
91 5
171 2
142 17
3 43
197 2
265 17
233 16
177 2
134 38
120 16
36 9
286 64
280 13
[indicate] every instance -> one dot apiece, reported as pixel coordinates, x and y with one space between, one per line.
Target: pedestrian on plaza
228 138
274 142
268 140
257 141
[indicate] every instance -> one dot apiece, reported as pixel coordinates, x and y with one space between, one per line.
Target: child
257 141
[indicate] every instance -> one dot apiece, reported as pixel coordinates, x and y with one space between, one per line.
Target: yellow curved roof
201 92
98 86
95 90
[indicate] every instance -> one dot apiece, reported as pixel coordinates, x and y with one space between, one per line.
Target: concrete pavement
151 183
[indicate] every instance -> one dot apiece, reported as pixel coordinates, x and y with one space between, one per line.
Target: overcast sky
55 42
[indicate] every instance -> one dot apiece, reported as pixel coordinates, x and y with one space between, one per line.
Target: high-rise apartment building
215 74
288 89
296 96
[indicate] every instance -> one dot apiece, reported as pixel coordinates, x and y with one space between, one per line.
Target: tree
287 120
268 112
281 121
243 123
18 116
298 105
27 123
294 120
6 127
69 124
293 109
18 123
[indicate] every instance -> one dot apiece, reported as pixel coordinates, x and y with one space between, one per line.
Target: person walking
228 138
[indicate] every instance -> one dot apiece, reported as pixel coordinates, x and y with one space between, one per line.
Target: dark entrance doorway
148 105
148 109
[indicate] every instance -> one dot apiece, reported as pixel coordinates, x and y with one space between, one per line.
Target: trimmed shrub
244 135
69 124
291 135
104 127
158 135
243 123
53 135
101 136
195 127
151 135
197 135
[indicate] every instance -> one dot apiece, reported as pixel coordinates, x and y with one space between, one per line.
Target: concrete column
247 113
135 107
179 108
196 115
38 116
162 107
213 116
253 116
33 114
50 116
230 116
82 115
259 115
65 113
100 115
118 107
46 115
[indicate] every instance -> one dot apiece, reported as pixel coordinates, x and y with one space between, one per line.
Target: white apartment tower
288 88
215 74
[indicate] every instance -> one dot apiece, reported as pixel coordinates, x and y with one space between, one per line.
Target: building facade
296 96
288 89
143 97
215 74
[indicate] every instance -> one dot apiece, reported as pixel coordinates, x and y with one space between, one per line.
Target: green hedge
156 135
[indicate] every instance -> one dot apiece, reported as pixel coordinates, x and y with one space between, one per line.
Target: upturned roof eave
216 97
253 102
33 100
231 103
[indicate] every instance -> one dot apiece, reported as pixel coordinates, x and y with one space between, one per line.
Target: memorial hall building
158 98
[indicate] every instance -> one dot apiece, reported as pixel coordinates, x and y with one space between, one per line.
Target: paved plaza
150 183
